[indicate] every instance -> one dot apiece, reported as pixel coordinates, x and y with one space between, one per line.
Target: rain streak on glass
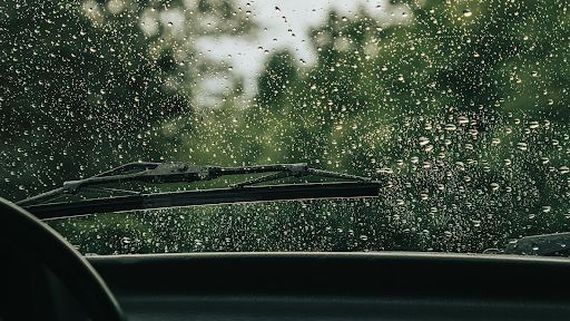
460 107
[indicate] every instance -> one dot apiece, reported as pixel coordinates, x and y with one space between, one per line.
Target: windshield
460 108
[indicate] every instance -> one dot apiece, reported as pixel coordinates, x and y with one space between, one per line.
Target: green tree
462 108
85 85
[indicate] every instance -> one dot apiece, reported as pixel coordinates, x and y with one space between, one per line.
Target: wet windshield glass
460 107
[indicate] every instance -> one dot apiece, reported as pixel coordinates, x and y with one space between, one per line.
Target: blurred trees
85 85
461 108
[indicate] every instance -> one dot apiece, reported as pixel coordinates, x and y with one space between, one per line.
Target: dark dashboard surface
338 286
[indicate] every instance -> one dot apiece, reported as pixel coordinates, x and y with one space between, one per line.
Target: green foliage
62 113
461 107
86 85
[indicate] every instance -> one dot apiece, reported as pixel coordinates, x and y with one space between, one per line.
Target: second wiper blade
556 244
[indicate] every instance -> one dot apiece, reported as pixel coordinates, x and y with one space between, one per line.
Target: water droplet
423 141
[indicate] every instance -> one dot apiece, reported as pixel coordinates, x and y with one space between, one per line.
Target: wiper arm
124 172
43 205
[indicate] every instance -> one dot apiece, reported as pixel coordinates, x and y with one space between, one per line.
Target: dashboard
337 286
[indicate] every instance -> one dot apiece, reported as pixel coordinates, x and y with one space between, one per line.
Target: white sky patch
174 20
284 24
148 23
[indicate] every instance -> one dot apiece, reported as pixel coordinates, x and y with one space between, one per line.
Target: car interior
45 278
323 160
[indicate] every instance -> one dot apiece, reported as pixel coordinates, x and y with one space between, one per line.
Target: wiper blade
557 244
45 205
250 194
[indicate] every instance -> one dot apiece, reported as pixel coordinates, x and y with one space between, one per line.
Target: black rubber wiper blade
47 205
214 196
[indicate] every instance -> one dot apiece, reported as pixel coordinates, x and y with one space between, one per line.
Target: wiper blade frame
160 173
44 205
228 195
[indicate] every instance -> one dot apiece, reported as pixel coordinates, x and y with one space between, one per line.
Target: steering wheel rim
59 256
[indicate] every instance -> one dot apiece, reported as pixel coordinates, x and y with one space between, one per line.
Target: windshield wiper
48 205
557 244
